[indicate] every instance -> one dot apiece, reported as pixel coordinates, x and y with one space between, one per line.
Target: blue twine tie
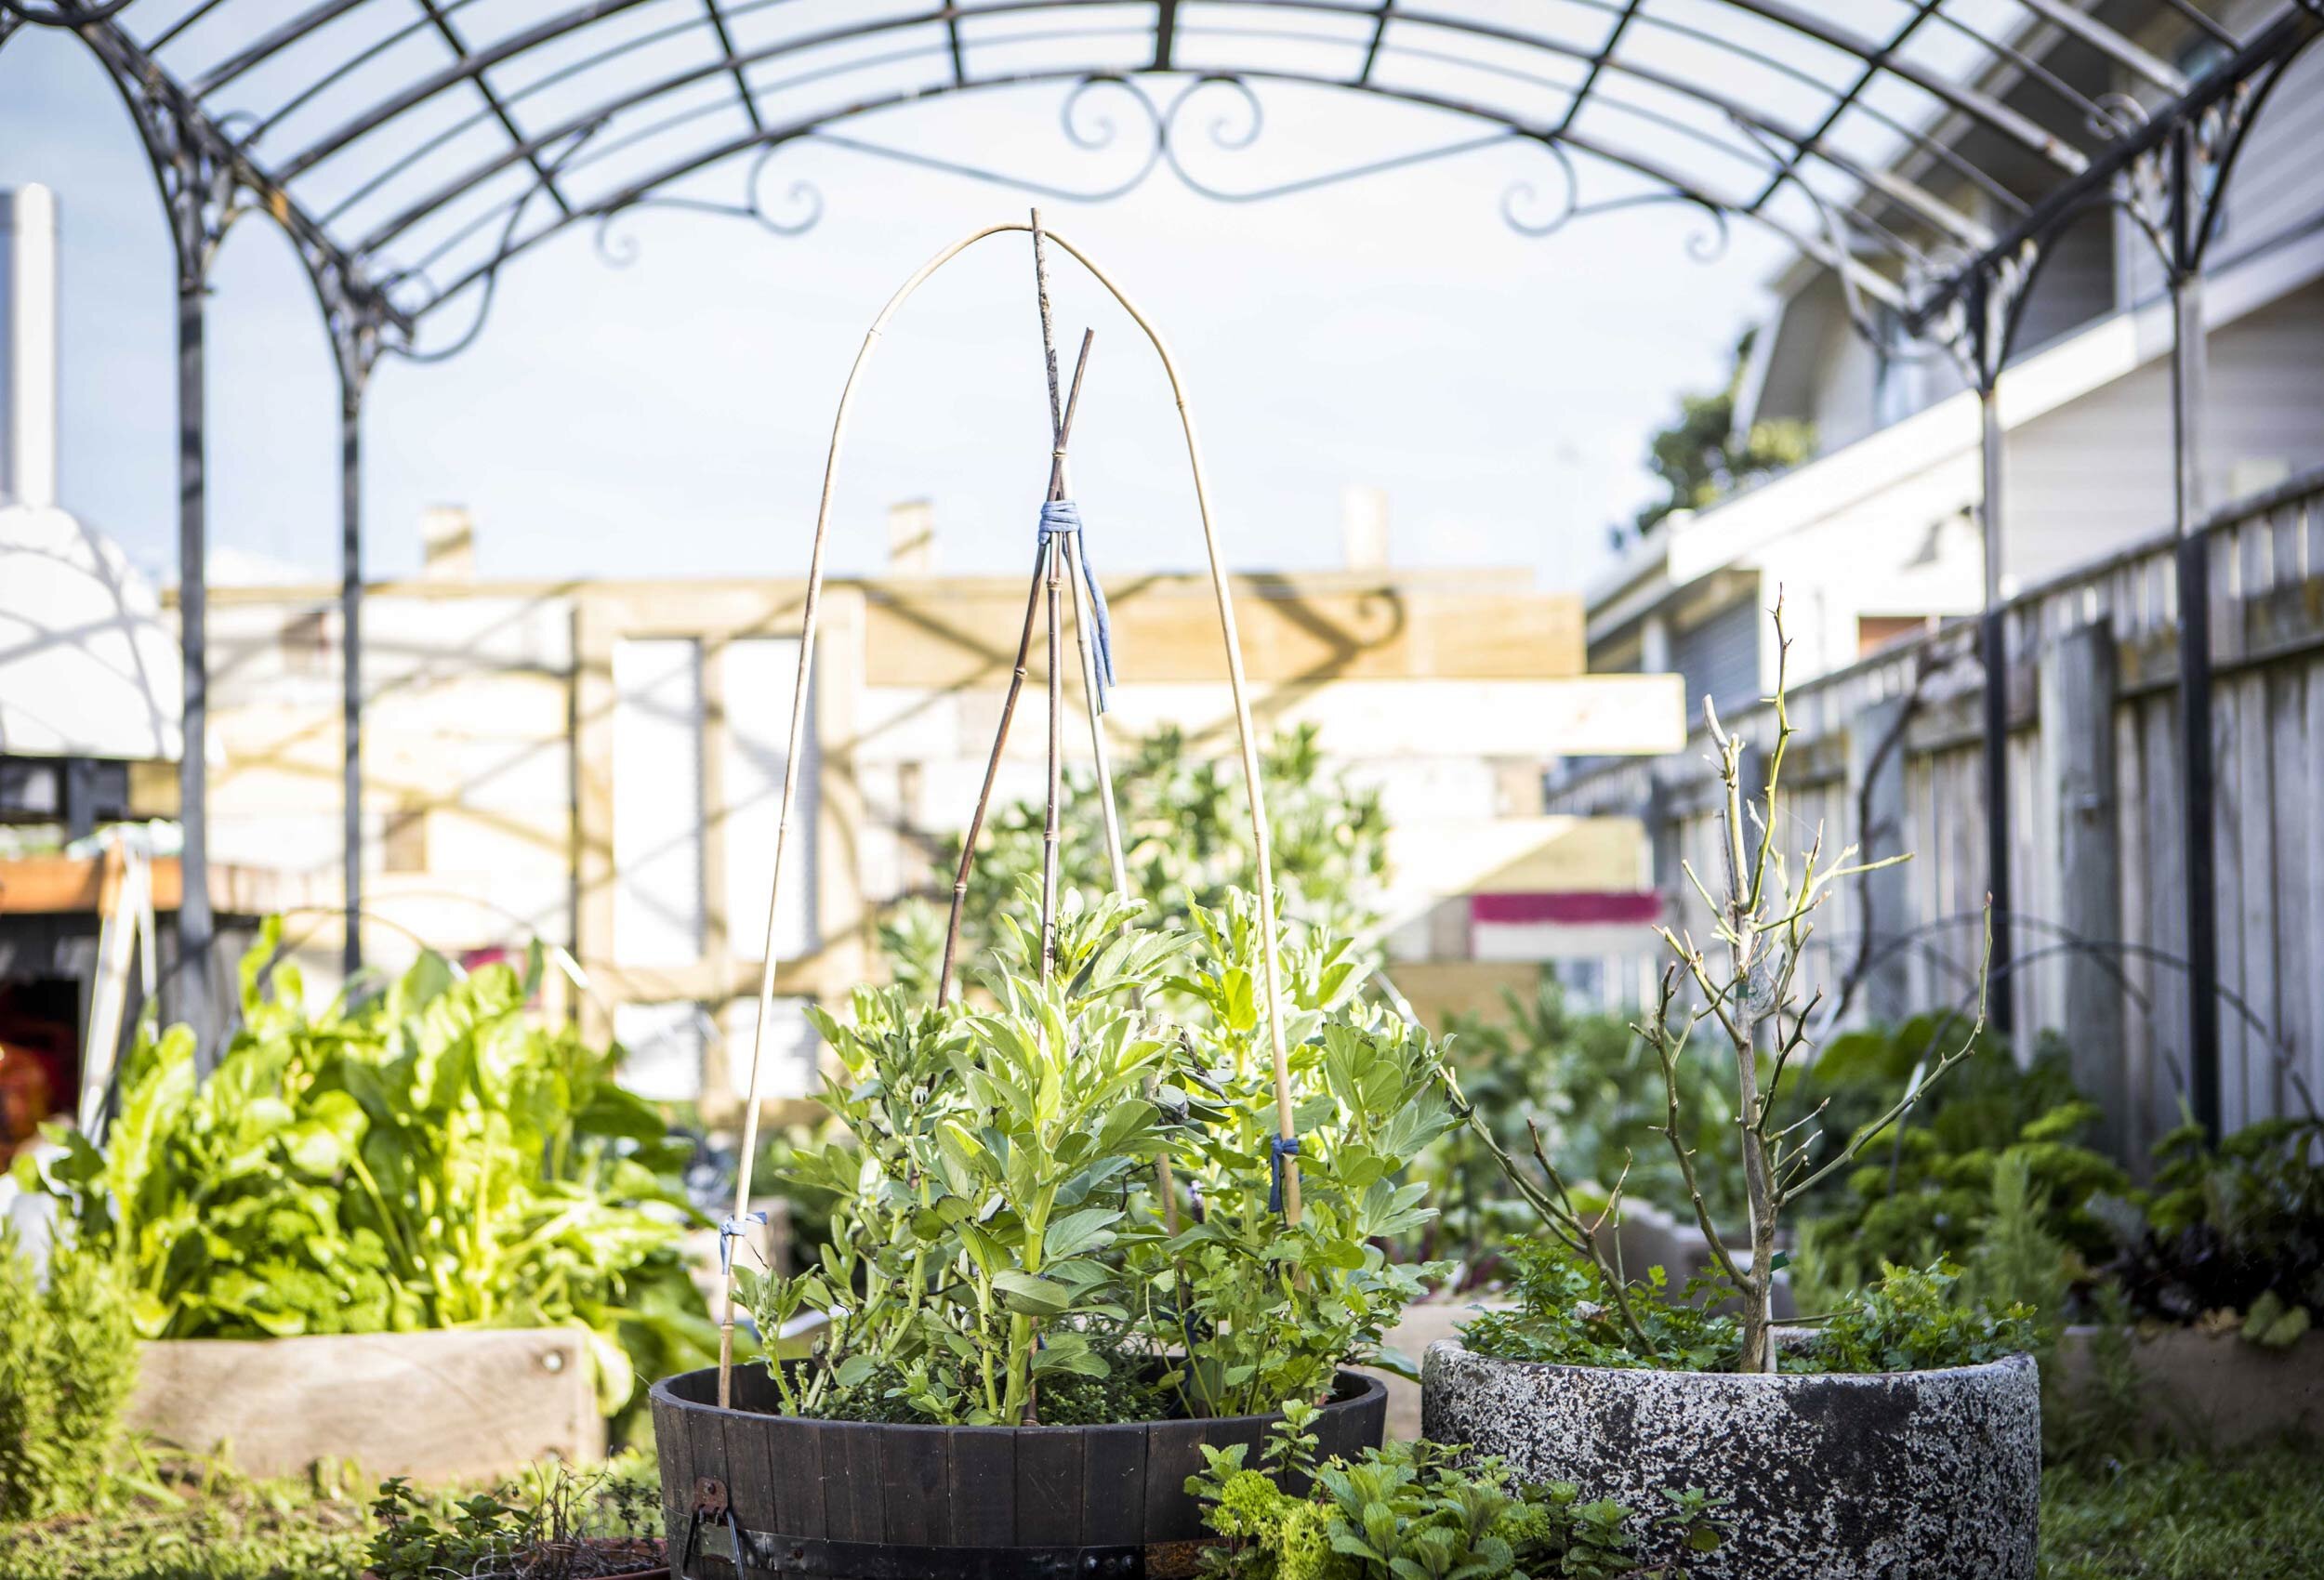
731 1230
1060 517
1277 1149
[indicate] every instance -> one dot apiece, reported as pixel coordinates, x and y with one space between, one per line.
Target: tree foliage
1702 458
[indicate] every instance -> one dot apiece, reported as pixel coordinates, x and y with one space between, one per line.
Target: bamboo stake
1236 683
1056 784
992 773
1008 705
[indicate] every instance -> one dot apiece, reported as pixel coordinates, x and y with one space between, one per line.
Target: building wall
601 765
2096 475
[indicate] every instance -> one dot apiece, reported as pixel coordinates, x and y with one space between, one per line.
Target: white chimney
28 345
1364 527
912 538
448 544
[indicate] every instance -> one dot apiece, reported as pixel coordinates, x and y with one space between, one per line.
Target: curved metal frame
1942 281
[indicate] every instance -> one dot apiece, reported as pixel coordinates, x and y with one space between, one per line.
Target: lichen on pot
1841 1477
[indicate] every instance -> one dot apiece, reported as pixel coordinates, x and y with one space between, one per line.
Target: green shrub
1186 825
998 1235
68 1360
1928 1187
2238 1227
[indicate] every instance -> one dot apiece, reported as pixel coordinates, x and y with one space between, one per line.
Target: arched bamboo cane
1236 684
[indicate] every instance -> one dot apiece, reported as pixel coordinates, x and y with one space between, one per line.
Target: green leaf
1030 1294
1077 1232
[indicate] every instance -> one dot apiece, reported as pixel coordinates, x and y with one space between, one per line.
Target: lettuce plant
1001 1244
428 1158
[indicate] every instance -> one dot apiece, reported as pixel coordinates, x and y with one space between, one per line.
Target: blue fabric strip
1059 517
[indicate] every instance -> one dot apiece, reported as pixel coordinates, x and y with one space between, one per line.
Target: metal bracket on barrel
712 1504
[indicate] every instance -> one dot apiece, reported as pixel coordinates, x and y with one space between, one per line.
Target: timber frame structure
410 150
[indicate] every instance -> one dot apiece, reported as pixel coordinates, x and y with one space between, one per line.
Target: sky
667 417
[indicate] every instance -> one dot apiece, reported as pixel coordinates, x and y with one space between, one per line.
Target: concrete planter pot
1899 1476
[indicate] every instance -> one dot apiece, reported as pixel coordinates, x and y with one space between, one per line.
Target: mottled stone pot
1904 1476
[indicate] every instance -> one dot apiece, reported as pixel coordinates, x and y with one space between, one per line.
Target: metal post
1993 647
351 662
195 929
2189 369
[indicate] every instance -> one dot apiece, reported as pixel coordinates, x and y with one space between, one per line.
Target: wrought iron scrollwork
804 198
549 170
1704 247
1170 141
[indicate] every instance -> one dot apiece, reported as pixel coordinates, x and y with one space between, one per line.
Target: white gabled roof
86 667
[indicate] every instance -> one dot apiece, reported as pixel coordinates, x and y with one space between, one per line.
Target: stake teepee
1058 564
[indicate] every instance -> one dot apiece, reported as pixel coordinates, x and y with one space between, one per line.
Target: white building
1878 533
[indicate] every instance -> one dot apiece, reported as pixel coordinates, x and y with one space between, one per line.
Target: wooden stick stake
1055 788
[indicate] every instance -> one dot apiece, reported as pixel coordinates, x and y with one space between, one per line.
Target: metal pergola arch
412 149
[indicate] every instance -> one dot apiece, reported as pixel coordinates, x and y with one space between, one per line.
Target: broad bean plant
1002 1236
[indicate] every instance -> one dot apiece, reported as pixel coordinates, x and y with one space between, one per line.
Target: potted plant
1127 1205
1020 1349
1901 1436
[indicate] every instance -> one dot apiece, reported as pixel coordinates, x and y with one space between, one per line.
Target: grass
2182 1517
190 1520
190 1523
2187 1517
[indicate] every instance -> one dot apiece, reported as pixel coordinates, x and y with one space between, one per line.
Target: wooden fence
2098 863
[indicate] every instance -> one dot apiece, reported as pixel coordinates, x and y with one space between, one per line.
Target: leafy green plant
1419 1511
999 1235
2238 1227
67 1361
1566 1314
1186 842
1931 1185
1909 1322
428 1158
553 1523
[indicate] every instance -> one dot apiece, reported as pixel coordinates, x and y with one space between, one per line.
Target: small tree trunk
1743 954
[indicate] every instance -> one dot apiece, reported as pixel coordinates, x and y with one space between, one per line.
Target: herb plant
1906 1320
1419 1512
553 1523
427 1159
1909 1320
1001 1239
67 1361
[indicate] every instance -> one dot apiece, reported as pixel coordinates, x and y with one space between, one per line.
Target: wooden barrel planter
863 1501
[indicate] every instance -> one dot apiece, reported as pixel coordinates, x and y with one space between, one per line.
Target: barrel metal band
771 1552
